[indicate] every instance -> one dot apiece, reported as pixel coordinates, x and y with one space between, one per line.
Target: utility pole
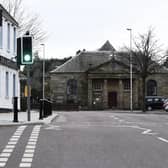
131 107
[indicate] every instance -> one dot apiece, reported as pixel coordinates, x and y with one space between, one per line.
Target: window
97 84
151 88
8 37
14 40
14 85
126 84
72 91
72 87
7 84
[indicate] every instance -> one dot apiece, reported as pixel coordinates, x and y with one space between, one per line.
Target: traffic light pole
28 97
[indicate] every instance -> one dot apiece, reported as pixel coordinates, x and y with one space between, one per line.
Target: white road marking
31 143
149 132
25 165
29 151
30 148
3 159
10 146
7 151
2 164
14 139
27 160
162 139
33 139
12 142
28 155
5 154
54 127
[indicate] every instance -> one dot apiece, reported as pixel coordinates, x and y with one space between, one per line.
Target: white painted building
9 73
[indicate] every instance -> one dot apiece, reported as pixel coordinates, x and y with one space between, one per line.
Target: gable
111 66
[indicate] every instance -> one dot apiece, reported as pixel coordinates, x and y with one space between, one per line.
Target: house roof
107 47
86 60
83 61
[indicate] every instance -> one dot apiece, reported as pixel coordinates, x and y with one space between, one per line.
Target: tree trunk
143 94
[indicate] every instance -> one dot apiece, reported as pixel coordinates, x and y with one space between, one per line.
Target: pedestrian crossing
26 158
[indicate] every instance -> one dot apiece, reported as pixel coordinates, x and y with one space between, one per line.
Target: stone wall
58 86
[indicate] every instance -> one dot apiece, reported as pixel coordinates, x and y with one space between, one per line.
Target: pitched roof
107 47
84 61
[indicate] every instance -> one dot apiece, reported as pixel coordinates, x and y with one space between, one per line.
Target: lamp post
130 30
43 71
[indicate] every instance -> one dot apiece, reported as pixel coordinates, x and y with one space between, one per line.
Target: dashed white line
25 165
28 155
30 148
162 139
3 159
27 159
7 151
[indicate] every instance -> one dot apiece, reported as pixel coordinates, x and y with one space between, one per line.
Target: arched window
151 88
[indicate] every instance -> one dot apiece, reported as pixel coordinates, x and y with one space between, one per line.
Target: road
88 140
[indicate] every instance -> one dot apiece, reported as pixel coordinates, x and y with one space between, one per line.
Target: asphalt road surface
88 140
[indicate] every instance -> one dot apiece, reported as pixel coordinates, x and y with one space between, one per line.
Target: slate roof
87 59
107 47
84 61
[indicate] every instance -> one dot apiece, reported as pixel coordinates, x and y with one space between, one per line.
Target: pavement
6 119
158 111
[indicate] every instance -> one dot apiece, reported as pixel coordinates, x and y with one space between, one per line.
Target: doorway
112 99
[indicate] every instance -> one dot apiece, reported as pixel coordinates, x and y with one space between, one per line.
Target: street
99 139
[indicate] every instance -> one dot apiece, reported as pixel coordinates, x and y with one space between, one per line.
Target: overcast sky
79 24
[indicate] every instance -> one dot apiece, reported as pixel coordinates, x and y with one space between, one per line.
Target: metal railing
45 108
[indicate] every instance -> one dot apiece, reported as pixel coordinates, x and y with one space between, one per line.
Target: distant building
101 80
9 74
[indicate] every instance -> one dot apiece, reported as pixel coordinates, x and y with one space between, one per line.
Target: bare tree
27 22
145 58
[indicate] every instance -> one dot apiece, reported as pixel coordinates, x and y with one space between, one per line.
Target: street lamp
43 70
130 30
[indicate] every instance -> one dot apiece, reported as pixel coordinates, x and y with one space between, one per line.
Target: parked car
154 102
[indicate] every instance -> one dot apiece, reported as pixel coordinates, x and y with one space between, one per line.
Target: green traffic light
27 57
26 50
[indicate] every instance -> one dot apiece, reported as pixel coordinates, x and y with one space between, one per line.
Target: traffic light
24 50
19 52
26 57
0 17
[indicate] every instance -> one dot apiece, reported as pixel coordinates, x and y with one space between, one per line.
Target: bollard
15 109
41 109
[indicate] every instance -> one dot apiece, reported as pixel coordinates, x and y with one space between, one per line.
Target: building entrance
112 99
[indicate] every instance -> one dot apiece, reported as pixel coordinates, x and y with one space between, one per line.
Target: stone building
101 80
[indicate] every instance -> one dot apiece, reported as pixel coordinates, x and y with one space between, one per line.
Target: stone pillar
90 93
120 94
105 94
